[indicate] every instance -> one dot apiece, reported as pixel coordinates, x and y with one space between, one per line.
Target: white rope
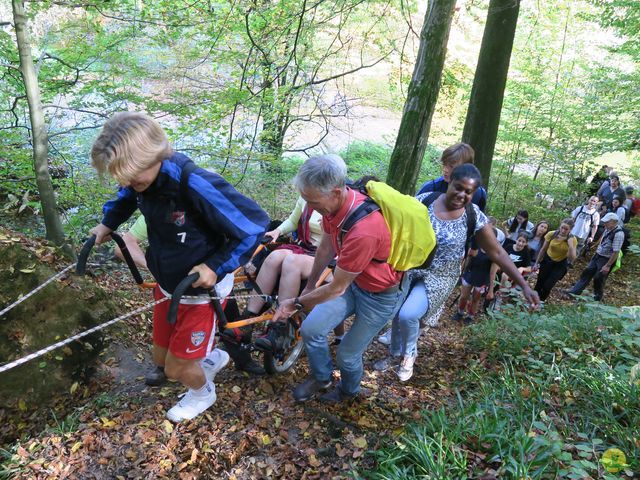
50 348
36 290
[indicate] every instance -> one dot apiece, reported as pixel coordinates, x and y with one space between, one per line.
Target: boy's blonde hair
457 154
129 143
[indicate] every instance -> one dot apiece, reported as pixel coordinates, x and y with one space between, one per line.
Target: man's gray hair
323 172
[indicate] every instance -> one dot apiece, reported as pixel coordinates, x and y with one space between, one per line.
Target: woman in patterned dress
431 287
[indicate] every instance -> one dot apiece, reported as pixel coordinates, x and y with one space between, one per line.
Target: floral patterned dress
442 275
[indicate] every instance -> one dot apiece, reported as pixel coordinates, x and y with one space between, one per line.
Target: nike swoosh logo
191 351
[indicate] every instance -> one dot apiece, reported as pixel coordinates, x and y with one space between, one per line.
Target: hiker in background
451 157
631 203
537 239
558 251
520 255
618 209
517 223
432 286
598 179
587 219
362 284
197 223
475 283
603 260
614 189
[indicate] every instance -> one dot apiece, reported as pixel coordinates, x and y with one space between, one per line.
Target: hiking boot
385 338
309 389
386 363
458 316
337 395
275 339
241 356
155 377
191 405
405 370
214 362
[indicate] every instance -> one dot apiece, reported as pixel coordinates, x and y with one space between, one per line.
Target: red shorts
192 336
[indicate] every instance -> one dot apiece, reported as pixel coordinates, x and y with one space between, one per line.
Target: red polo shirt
368 239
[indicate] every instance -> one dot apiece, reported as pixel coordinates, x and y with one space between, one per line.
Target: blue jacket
439 185
218 226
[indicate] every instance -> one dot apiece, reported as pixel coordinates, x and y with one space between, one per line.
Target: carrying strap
363 210
471 217
590 215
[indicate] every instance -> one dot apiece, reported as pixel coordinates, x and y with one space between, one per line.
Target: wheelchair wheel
286 357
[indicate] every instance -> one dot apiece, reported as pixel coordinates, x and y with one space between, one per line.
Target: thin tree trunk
39 137
413 134
487 93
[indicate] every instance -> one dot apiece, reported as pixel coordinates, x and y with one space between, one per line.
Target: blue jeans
372 310
405 328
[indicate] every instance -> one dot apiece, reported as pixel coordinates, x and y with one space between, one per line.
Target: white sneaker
405 371
385 338
214 362
386 363
190 406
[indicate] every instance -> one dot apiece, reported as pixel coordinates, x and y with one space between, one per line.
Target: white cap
610 216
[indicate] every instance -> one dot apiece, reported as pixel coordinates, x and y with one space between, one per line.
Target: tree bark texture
487 93
39 137
413 134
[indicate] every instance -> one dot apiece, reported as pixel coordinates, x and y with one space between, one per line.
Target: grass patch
552 393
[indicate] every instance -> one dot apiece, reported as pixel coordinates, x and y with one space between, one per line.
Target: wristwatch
298 304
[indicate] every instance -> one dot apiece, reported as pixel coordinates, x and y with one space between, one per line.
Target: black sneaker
155 377
275 340
468 320
309 389
457 317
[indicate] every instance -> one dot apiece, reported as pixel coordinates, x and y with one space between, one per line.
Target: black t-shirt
477 273
521 259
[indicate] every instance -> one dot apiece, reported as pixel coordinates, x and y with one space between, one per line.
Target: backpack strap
363 210
471 225
188 168
429 199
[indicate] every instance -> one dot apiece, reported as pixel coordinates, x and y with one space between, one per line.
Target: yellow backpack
413 240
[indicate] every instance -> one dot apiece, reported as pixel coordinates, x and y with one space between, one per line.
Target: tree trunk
39 137
413 134
487 93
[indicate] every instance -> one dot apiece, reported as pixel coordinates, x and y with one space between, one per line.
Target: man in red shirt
363 283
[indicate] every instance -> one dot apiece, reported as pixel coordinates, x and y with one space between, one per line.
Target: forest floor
117 427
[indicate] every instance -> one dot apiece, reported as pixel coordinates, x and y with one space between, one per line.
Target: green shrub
556 396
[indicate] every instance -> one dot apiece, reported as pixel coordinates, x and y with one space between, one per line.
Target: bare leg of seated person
268 277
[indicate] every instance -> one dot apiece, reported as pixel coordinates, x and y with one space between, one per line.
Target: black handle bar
172 314
186 282
81 266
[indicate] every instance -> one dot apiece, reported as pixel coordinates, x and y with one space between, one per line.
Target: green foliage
557 395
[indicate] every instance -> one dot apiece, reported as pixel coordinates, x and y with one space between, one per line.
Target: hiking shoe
387 363
241 356
155 377
336 396
276 339
214 362
385 338
457 317
309 389
190 406
405 370
468 320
